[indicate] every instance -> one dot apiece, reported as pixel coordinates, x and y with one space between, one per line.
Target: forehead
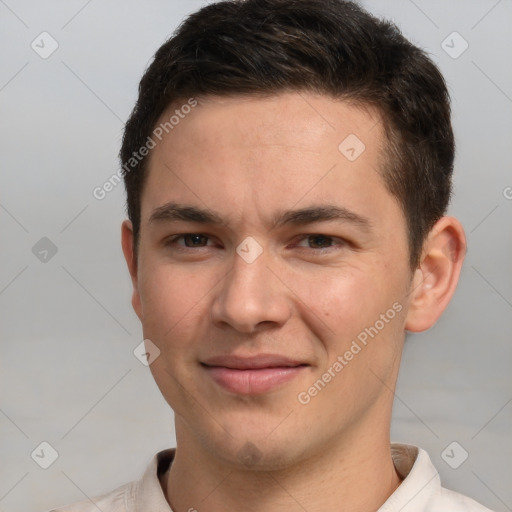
300 120
246 153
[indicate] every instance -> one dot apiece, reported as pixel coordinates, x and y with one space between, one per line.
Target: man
288 167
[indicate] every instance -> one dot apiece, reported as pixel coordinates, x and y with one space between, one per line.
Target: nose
251 297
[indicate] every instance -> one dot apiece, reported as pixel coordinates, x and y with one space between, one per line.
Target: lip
252 375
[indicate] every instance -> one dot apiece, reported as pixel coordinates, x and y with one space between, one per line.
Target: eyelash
322 250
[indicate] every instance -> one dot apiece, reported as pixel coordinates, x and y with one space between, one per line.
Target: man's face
262 282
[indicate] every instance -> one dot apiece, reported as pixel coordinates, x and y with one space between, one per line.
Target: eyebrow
172 212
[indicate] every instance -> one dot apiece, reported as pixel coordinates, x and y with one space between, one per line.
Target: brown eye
190 240
320 242
195 240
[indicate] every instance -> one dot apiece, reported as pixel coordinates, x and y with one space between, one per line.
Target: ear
436 277
127 243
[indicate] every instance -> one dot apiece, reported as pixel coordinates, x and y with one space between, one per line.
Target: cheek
174 320
362 347
344 299
358 306
172 302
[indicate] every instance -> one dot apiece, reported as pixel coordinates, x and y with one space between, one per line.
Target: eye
190 240
321 242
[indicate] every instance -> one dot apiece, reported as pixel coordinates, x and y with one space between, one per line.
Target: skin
248 159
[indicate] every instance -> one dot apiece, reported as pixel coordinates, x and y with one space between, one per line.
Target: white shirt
419 491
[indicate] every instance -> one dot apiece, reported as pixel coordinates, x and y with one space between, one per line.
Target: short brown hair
331 47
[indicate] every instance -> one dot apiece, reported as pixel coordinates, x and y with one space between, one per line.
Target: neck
355 474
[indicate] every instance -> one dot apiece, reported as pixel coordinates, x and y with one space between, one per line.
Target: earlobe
127 243
436 278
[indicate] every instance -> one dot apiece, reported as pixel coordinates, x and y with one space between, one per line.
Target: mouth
252 375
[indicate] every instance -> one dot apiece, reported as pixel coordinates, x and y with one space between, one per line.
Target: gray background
68 375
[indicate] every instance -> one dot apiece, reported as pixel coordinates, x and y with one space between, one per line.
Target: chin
257 452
